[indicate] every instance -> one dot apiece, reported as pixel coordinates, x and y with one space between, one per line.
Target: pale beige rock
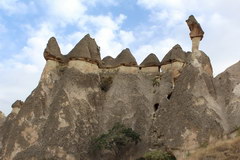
83 66
153 69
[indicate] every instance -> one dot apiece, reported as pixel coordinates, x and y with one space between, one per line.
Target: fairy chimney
196 32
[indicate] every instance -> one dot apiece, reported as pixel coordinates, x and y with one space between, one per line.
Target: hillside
174 104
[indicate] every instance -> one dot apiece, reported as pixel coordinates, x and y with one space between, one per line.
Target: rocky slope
174 103
223 150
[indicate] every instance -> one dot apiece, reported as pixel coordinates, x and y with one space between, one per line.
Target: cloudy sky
144 26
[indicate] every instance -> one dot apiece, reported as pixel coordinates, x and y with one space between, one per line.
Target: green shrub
159 155
115 140
105 83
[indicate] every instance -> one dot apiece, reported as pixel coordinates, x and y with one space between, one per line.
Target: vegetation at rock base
115 139
105 83
158 155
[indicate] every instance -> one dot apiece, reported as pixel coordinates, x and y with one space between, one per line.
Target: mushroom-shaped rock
125 58
195 27
86 49
52 51
108 61
16 106
150 61
176 54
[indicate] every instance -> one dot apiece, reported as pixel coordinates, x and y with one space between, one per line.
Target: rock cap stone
175 54
108 61
17 104
150 60
195 27
52 51
86 49
125 58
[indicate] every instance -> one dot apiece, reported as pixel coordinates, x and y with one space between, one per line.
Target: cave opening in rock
169 95
156 106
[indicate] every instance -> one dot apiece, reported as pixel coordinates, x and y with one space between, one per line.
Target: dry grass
222 150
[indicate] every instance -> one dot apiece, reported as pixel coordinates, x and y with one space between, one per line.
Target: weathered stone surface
176 54
125 58
195 27
150 61
86 49
201 61
52 51
227 86
181 108
108 62
191 112
223 150
2 118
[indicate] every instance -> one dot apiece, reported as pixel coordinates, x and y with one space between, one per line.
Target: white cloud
126 37
14 6
67 11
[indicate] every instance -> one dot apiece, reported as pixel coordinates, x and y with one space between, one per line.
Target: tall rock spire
196 32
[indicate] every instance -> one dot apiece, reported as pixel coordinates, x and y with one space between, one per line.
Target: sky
144 26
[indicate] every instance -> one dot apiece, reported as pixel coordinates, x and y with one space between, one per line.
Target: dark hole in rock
169 95
156 106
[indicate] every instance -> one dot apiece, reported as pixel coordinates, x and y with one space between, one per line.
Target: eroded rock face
2 118
190 110
76 100
227 85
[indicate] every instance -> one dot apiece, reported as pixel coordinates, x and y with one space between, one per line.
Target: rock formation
125 58
150 64
52 51
196 33
227 86
108 62
86 49
175 104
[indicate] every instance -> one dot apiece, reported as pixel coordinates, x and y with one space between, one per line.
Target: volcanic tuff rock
195 27
86 49
52 51
125 58
227 86
180 107
150 60
176 54
108 61
2 118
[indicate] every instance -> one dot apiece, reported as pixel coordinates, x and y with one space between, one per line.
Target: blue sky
144 26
